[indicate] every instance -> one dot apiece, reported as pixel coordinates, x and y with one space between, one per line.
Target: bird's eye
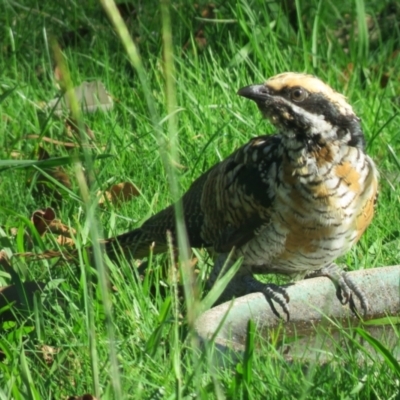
298 94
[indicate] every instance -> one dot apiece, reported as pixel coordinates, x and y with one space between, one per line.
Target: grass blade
381 349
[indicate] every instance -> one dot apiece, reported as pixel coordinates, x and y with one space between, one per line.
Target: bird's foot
273 293
345 285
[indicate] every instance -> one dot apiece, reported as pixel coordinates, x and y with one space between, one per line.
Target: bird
289 203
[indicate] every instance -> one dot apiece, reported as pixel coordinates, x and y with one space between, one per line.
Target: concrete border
312 301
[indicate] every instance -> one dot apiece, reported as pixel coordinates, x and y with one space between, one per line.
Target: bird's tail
134 244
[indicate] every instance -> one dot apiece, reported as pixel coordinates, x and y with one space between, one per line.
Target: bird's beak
258 93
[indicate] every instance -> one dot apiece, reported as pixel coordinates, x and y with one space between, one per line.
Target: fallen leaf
65 241
64 233
45 221
42 218
57 227
119 194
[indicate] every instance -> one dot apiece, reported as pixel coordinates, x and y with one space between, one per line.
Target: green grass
135 341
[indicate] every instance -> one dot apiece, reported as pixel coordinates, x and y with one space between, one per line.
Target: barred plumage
290 203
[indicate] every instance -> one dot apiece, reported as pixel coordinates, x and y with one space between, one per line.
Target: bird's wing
237 195
223 208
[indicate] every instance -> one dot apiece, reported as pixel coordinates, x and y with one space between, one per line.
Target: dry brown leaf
65 241
119 194
42 218
65 232
45 221
60 176
57 227
124 191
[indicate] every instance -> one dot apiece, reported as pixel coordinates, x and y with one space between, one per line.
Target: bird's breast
320 210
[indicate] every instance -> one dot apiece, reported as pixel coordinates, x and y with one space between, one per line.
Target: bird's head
306 109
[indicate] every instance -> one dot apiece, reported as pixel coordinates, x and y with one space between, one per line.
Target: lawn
98 327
